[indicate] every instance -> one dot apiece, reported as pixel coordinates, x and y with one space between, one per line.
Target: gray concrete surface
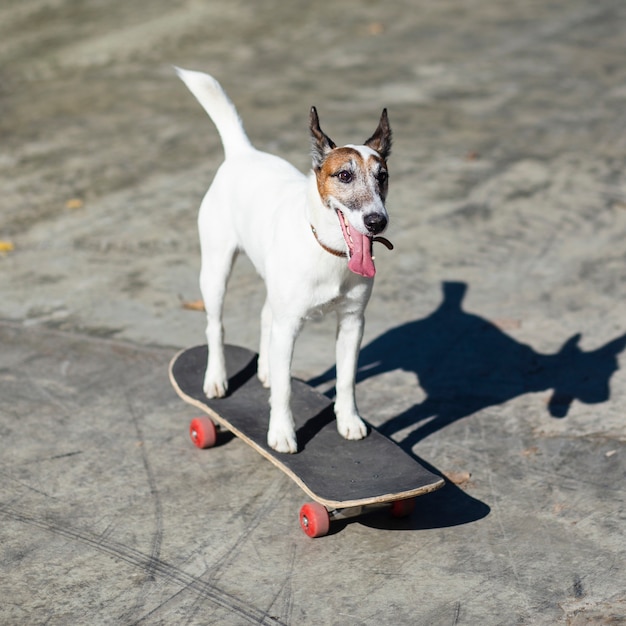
494 335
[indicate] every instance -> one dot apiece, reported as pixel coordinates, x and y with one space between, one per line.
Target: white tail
221 110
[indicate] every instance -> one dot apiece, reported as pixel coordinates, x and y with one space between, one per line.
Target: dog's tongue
360 246
361 261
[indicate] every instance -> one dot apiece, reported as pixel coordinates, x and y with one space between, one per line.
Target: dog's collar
343 255
337 253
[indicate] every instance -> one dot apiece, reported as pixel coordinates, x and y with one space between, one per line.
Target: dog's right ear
321 143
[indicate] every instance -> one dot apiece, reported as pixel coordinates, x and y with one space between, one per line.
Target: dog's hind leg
349 335
266 331
281 434
217 264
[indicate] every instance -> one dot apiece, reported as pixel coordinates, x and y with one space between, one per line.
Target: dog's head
352 181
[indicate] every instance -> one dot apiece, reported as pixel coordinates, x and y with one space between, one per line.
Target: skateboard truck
315 518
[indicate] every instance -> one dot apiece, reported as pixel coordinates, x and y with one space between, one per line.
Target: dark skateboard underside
332 470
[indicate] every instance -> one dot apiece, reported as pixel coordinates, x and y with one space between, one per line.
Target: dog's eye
382 178
345 176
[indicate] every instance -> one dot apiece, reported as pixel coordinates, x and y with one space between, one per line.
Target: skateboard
343 478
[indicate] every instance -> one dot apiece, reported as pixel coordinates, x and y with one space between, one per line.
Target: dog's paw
264 377
282 440
352 428
215 387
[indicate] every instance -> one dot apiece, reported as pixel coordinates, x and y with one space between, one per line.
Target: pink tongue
361 261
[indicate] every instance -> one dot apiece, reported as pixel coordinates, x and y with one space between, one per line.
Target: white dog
310 238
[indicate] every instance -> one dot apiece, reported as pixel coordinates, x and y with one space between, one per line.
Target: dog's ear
321 143
381 139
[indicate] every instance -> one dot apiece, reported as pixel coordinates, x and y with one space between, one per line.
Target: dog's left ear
321 143
381 139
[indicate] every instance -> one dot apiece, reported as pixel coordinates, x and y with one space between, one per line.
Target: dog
309 237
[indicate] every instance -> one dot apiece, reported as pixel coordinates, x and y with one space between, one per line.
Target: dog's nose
375 223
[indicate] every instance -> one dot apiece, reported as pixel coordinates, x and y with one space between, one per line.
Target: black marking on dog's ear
321 143
381 139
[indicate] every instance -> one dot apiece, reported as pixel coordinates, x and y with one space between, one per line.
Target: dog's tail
221 110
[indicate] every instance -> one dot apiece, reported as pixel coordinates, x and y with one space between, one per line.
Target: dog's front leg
349 335
281 435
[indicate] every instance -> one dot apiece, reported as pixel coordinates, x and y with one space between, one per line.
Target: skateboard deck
334 472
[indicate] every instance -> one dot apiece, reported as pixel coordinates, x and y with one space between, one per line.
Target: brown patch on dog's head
339 168
352 177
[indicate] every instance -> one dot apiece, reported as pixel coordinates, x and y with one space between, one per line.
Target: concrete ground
493 341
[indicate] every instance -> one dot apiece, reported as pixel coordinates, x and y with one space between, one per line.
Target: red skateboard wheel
314 519
403 508
203 432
